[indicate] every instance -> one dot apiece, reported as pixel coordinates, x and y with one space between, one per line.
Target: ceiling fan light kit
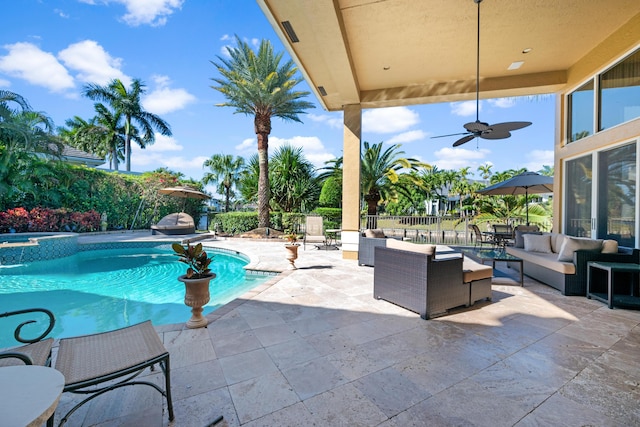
480 129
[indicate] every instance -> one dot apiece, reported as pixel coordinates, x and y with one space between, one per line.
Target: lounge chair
175 223
314 231
97 363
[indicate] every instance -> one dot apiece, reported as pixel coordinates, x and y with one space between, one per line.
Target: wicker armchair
419 282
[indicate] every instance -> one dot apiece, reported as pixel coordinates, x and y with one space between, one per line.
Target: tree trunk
127 143
262 125
227 191
372 199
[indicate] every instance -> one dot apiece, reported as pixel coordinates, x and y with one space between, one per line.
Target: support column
351 181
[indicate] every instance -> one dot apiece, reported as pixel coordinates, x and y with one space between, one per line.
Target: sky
50 49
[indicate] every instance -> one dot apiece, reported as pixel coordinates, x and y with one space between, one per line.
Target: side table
29 394
611 269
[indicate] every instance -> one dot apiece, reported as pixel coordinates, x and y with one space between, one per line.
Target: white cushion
411 247
572 244
520 239
537 243
376 233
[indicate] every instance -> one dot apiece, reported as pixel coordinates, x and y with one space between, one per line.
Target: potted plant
291 247
196 280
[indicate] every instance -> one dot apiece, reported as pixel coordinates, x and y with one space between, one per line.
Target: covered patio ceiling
382 53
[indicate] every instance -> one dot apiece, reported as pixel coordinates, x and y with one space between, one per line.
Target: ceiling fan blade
492 134
509 126
463 140
476 126
451 134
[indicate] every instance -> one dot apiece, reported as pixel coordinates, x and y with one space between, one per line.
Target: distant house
79 157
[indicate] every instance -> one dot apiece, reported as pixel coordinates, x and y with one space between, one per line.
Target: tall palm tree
257 84
379 173
127 102
225 172
103 135
485 171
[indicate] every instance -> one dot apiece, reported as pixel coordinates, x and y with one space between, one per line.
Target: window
578 197
620 92
617 195
581 112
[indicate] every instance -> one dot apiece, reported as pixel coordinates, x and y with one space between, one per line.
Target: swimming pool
100 290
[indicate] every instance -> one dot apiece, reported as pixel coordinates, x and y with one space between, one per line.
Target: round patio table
29 394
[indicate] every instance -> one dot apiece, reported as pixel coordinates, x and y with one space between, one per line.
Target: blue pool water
101 290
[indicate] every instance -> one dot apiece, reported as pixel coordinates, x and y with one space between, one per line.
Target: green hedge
241 222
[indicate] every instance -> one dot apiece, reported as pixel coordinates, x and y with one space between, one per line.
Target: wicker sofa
369 240
430 284
565 267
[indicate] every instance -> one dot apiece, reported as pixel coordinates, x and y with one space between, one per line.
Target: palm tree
225 172
379 172
103 135
256 84
127 103
546 170
293 185
485 170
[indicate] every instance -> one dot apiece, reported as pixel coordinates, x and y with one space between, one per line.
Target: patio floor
315 348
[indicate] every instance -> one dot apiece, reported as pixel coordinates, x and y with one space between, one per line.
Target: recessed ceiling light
527 50
515 65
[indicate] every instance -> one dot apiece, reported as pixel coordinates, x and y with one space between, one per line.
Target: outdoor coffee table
494 255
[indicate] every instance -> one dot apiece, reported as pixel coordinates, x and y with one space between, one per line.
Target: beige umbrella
184 192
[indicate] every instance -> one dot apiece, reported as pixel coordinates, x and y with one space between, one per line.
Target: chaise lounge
175 223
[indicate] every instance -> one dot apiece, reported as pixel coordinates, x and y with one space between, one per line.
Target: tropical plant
379 172
257 84
225 172
127 102
196 259
103 135
293 185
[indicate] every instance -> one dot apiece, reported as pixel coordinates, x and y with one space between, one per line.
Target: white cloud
247 147
149 12
456 158
502 102
536 159
5 83
93 63
334 121
164 100
465 108
26 61
389 120
412 135
162 144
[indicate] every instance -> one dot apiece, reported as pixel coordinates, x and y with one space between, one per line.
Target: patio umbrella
524 183
184 192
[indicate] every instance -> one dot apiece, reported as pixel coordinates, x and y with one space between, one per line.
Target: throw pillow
610 247
375 233
537 243
572 244
412 247
520 239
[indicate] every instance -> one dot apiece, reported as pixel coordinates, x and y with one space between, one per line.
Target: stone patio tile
291 353
261 396
345 406
391 392
296 415
559 411
313 377
239 342
244 366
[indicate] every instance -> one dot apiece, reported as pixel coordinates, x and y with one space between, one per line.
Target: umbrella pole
526 202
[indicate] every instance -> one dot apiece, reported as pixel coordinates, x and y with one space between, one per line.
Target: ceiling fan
480 129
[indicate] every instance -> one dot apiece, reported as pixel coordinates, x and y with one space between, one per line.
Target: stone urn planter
292 254
196 296
196 280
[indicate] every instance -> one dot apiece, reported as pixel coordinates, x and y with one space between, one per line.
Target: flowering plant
196 258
